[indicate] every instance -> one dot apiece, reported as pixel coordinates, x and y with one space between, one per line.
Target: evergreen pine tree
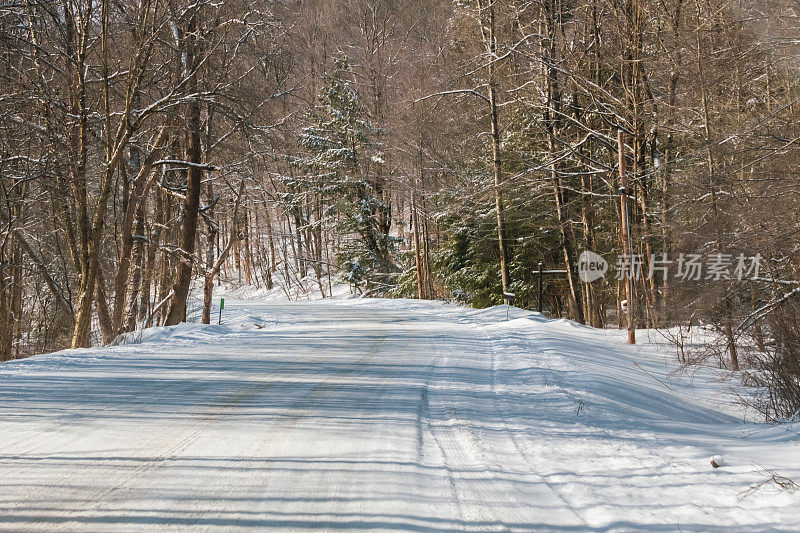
340 156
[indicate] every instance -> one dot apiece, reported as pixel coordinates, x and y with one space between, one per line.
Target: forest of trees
150 149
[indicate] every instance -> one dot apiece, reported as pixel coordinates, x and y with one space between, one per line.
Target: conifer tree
339 162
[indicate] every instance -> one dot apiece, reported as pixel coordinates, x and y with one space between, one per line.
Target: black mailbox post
508 298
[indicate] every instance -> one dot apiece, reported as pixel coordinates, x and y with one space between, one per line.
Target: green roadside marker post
221 307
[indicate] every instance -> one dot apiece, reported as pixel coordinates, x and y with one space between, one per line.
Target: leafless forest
150 149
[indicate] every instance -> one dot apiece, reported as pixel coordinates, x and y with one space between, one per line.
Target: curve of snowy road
382 415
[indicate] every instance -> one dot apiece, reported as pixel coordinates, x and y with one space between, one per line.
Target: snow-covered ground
387 415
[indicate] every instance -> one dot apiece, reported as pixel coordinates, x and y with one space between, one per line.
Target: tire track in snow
279 428
38 440
169 452
608 441
506 415
477 447
152 433
444 463
461 458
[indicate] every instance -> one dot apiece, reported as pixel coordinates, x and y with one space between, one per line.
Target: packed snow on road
384 415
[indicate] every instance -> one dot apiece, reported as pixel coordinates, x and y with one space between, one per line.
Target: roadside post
221 307
508 298
542 273
540 288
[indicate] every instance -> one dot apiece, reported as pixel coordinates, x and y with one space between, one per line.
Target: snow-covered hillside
387 415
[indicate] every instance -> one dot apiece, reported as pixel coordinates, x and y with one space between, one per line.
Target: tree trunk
208 280
421 292
194 174
137 260
727 304
191 210
490 39
103 313
552 118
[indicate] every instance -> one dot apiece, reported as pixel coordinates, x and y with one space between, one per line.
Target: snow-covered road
381 415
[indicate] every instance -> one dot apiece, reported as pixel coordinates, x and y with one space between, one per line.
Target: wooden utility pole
626 237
